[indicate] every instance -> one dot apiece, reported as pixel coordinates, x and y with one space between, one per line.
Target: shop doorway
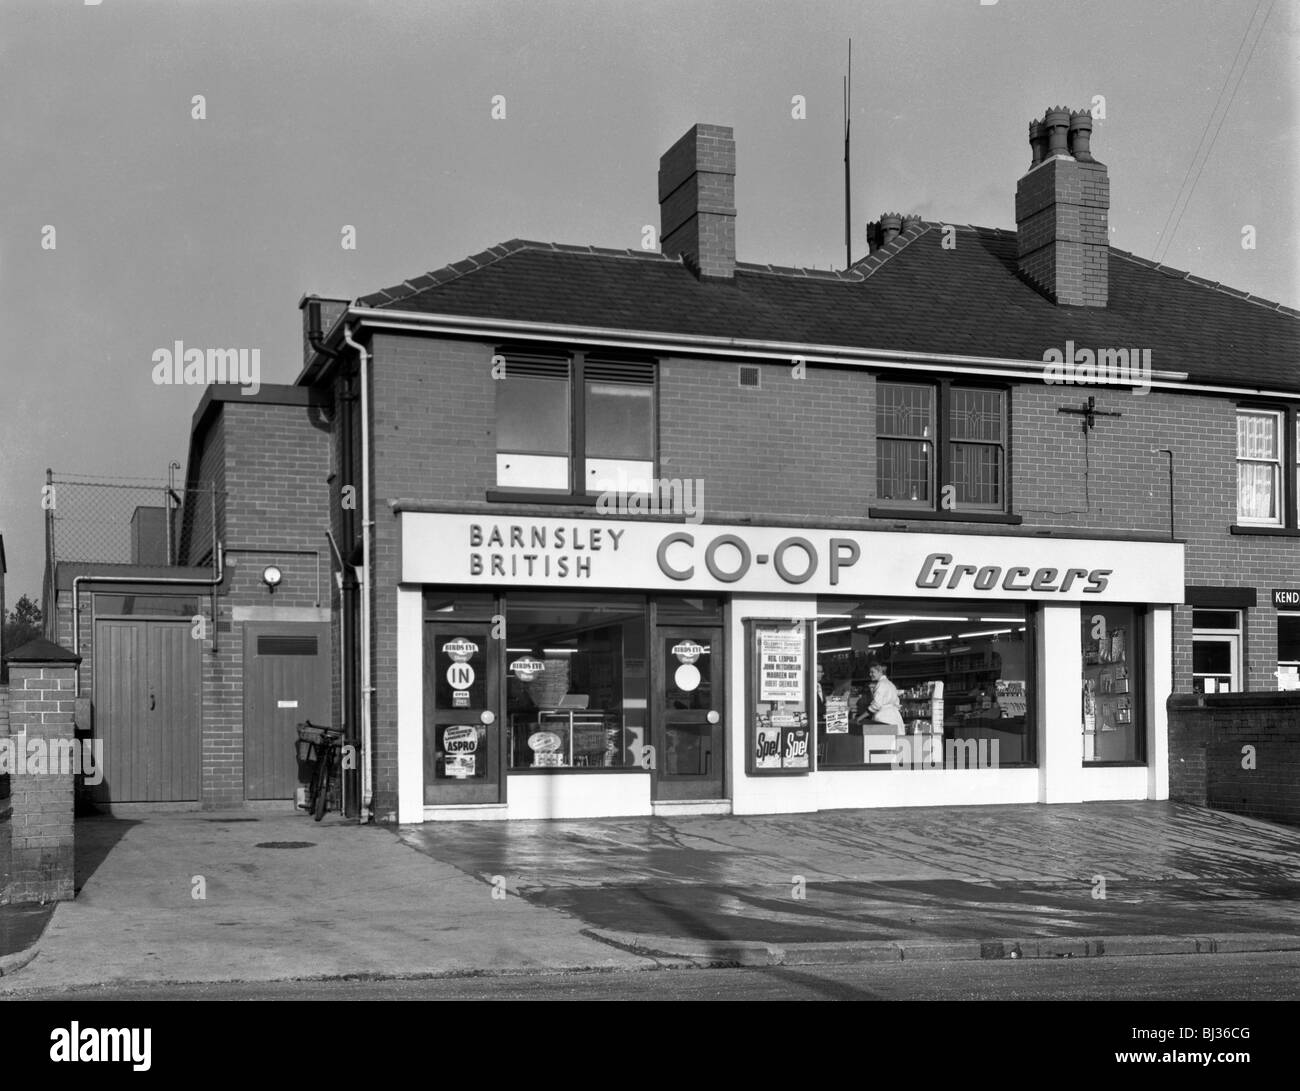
462 713
691 712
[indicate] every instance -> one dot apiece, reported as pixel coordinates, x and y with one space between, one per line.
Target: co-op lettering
936 571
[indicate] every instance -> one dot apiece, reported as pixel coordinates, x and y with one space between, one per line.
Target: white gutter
367 525
785 351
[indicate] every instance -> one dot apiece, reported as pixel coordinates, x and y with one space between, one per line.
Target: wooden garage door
148 710
286 681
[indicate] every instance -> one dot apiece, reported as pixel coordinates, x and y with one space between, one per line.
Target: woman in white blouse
884 707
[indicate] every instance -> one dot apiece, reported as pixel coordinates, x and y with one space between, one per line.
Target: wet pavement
943 874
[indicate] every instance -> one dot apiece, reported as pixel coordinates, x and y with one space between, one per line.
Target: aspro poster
781 664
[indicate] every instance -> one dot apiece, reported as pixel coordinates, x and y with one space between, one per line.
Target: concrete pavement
259 897
244 897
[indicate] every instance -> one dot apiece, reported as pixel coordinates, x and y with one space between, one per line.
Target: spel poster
792 728
767 753
780 664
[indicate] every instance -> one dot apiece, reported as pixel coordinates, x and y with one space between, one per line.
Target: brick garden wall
1207 740
41 864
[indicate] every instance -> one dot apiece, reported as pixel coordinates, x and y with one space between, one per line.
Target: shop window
580 425
941 440
1288 651
900 685
1260 496
1112 720
1216 651
576 681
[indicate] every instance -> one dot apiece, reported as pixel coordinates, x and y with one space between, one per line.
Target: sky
327 114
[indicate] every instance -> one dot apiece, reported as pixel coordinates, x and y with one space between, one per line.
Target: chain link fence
142 521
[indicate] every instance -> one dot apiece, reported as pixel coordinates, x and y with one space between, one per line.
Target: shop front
567 668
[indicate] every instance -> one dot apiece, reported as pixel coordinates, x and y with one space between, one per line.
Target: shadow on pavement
95 835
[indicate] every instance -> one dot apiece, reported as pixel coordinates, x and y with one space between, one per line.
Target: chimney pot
1057 123
1037 143
1081 135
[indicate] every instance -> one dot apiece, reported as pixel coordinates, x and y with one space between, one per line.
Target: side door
691 709
286 681
148 711
462 713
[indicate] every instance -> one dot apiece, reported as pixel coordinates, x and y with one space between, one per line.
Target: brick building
630 533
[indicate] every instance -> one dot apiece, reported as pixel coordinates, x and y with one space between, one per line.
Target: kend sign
1286 600
655 556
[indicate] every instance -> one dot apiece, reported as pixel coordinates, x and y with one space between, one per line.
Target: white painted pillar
1059 656
1158 669
410 705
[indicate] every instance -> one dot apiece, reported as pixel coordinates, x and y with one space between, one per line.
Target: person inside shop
883 706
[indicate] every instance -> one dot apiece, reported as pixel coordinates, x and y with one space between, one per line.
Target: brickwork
1237 752
41 709
697 199
1062 234
273 467
804 450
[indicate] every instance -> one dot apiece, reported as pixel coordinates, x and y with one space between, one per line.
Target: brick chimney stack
1062 229
697 201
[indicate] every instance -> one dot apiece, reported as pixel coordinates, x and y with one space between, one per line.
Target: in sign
1286 597
460 676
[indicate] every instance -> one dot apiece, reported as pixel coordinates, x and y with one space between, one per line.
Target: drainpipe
367 527
180 581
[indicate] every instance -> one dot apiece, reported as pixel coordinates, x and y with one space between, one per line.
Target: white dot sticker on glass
687 677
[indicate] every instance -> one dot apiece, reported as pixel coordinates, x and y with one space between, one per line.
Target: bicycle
321 744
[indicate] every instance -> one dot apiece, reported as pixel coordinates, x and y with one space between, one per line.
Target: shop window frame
643 600
941 457
1032 624
1287 524
576 494
1139 686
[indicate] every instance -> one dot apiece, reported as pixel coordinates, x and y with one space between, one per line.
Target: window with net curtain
1259 466
908 473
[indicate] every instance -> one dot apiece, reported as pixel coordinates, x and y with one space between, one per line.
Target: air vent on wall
748 376
286 645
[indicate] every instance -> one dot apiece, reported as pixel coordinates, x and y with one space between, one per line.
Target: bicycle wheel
322 784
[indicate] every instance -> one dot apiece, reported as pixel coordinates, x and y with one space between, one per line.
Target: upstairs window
940 446
1260 483
576 425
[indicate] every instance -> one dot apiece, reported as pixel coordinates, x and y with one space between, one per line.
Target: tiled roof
911 295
